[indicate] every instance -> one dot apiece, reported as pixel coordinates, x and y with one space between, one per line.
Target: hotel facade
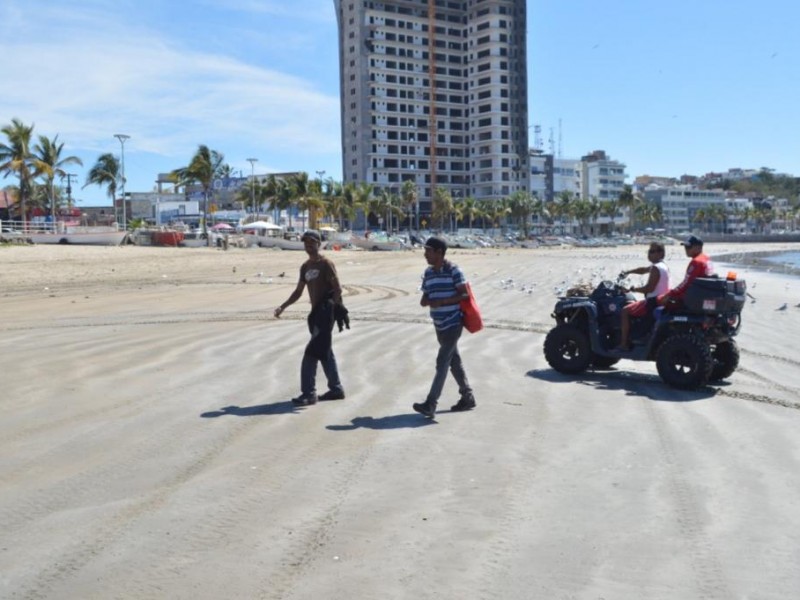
435 92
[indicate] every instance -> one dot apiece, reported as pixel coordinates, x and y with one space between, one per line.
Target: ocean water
787 258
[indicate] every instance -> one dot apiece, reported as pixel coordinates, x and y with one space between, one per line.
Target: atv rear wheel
684 361
567 349
726 359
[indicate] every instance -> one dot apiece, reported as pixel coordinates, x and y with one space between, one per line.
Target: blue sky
667 88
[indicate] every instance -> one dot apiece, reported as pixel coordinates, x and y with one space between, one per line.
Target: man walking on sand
318 273
443 288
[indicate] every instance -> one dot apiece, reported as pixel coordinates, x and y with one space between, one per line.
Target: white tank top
663 281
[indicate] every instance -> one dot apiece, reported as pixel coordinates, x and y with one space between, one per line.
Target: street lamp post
122 139
313 210
253 162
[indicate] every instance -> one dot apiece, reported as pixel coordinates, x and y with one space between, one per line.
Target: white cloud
86 75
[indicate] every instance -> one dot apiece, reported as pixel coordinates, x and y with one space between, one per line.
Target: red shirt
699 266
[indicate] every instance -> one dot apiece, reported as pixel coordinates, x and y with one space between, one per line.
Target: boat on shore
64 232
269 235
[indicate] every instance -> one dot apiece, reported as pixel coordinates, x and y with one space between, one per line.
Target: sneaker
305 400
425 408
333 395
466 402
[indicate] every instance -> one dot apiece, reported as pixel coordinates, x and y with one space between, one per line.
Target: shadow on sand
277 408
411 420
633 384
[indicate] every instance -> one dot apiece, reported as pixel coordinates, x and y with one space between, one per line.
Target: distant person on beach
699 266
657 284
318 273
443 288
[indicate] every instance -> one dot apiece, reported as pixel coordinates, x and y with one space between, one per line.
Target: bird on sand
783 306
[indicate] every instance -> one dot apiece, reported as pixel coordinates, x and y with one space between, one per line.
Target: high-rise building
435 91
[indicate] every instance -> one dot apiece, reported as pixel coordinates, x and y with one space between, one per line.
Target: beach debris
783 306
234 269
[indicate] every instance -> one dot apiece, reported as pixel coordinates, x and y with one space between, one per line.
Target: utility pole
122 139
69 177
253 162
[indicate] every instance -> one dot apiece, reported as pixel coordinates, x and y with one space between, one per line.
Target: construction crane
432 83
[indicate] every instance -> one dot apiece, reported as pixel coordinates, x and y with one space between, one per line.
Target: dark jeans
308 373
448 359
319 350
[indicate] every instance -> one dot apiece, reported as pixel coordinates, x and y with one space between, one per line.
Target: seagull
783 306
282 274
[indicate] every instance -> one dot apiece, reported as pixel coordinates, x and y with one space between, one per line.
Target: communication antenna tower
551 142
537 137
559 138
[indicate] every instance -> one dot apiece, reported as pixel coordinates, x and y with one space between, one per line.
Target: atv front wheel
567 349
726 359
684 361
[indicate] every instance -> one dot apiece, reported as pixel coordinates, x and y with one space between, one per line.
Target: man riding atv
699 266
657 285
690 338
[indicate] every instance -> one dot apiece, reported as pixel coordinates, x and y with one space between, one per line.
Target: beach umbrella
221 227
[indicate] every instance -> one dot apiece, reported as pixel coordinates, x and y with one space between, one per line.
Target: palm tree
105 172
627 199
204 167
16 157
361 198
470 209
410 195
565 208
610 209
521 207
442 205
304 193
51 165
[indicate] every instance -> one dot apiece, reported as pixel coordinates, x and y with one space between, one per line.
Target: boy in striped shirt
443 288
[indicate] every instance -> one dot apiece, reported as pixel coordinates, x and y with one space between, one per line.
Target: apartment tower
434 91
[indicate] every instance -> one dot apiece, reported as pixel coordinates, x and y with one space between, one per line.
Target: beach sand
149 449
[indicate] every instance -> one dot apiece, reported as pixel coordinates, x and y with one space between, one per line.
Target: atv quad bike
691 344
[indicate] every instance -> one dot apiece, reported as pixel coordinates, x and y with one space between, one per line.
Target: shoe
425 408
333 395
467 402
305 400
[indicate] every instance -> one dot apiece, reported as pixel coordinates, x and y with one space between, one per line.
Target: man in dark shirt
318 273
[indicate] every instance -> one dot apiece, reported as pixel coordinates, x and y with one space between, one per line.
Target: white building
444 106
687 208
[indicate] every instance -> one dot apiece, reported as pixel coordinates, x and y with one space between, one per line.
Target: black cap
692 240
312 235
436 243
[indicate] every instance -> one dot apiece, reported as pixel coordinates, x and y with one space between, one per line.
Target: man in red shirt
699 266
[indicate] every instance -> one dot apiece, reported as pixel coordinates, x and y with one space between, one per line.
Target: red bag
473 322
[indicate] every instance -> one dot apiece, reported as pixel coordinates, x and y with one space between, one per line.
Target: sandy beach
148 448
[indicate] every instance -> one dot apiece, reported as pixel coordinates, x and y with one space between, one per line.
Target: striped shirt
442 284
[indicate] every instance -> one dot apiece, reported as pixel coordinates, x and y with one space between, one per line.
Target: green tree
410 196
521 205
204 167
16 158
471 210
105 172
628 201
442 205
51 165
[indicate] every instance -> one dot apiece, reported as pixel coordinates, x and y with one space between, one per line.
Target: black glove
340 315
